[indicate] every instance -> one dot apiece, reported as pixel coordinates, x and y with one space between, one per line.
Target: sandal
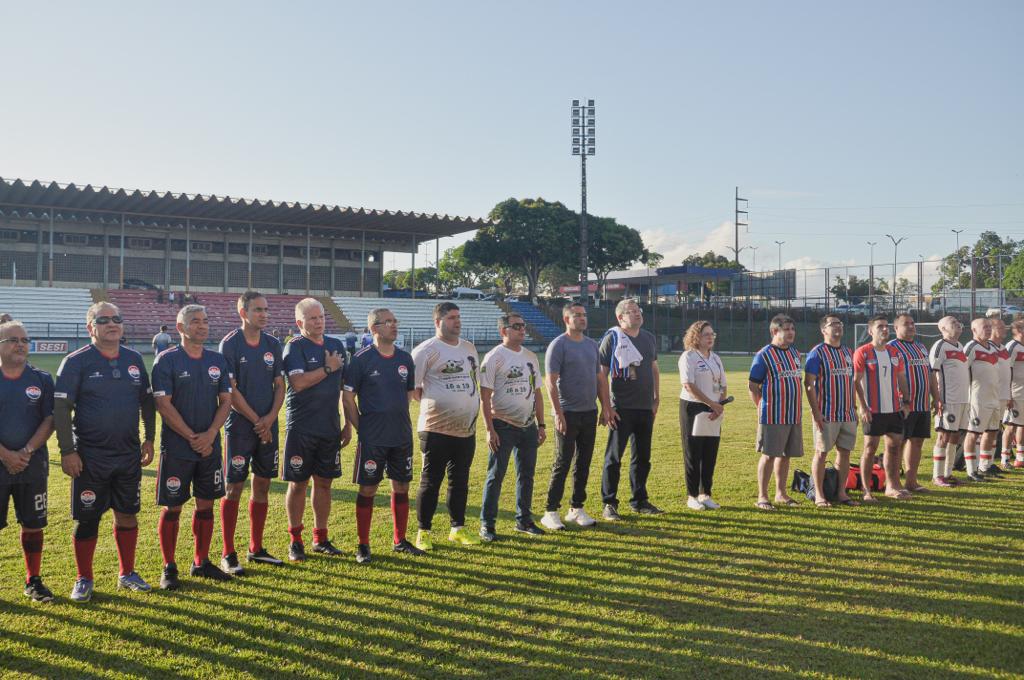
822 504
764 505
789 502
849 501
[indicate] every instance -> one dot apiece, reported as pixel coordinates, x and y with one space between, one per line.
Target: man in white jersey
949 367
446 387
1014 419
986 405
1005 378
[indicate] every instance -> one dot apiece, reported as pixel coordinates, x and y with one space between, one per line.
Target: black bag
806 484
802 482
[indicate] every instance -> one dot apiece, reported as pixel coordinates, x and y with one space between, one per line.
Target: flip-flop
849 501
919 489
822 504
869 499
789 502
764 505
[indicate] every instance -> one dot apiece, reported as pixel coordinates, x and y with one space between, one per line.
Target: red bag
877 478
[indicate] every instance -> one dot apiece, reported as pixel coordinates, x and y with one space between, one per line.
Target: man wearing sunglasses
101 390
26 421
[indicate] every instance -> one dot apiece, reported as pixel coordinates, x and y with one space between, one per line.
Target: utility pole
871 278
737 224
779 244
583 145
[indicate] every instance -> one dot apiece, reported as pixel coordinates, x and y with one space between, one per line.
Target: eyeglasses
712 334
516 326
116 372
836 324
387 322
23 341
104 320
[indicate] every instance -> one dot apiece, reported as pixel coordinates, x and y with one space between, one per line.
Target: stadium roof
34 199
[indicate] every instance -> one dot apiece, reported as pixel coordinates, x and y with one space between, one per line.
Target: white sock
971 458
1005 458
950 459
986 460
938 461
1020 453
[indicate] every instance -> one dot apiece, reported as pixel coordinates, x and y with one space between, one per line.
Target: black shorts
29 503
372 461
242 448
305 455
182 478
884 423
107 482
917 425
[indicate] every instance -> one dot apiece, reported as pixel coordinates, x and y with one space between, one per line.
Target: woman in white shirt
703 378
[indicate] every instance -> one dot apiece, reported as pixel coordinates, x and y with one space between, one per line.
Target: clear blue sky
840 121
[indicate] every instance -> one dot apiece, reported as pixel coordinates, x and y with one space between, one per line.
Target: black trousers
578 441
699 453
444 454
636 425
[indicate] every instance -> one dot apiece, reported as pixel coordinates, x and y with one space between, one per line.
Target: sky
839 122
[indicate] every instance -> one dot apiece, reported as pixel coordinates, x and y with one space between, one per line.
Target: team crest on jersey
976 421
403 372
33 393
452 366
173 484
268 358
370 467
88 497
213 372
295 462
238 462
133 372
950 418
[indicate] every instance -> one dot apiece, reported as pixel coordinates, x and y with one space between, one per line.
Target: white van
468 294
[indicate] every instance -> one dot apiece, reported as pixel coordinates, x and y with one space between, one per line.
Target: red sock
167 528
84 549
228 520
364 513
319 535
400 514
257 520
32 546
126 539
296 534
202 532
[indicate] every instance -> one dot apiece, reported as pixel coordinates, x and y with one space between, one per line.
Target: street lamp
753 267
895 245
779 243
583 144
871 278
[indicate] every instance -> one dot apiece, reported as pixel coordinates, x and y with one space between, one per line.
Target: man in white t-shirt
1014 419
513 409
986 406
949 366
446 387
1005 367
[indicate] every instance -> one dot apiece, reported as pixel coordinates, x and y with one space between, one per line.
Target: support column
227 262
167 258
308 238
106 257
121 257
39 254
362 266
249 255
412 278
188 253
51 248
280 265
333 281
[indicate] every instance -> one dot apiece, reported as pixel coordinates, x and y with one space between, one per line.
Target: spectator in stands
350 342
366 339
161 340
160 296
170 297
703 379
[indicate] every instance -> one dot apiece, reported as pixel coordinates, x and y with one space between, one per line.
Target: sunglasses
23 341
104 320
516 326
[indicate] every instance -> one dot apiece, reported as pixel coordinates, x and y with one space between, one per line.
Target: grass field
932 587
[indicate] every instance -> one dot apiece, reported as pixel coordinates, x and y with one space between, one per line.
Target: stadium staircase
48 312
416 318
543 328
335 313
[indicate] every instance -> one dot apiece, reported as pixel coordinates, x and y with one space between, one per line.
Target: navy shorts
305 456
107 482
243 448
373 461
884 423
29 503
182 478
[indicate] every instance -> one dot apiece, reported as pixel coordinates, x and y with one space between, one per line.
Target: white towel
626 354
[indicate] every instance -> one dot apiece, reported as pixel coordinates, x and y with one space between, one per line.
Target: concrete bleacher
539 322
416 317
48 312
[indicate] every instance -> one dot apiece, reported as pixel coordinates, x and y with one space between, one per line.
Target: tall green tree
612 247
455 270
990 253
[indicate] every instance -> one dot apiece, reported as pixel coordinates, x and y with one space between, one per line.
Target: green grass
928 588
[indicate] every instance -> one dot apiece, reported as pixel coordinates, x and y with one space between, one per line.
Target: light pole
583 145
753 267
895 245
779 243
959 262
871 278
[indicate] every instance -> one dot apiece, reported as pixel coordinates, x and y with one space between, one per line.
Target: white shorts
984 417
952 418
1014 416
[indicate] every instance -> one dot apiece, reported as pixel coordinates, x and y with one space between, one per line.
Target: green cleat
424 541
463 536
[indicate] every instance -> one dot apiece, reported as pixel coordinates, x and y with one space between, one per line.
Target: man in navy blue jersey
257 382
192 387
101 390
26 421
315 437
382 378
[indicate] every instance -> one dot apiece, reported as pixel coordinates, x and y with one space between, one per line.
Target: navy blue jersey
107 394
24 403
194 386
382 385
254 368
313 411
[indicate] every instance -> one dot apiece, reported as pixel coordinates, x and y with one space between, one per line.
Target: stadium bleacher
416 317
538 320
48 312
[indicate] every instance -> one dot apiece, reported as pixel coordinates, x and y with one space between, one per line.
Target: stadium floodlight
895 246
584 143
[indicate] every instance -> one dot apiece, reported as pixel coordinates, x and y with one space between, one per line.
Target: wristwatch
327 369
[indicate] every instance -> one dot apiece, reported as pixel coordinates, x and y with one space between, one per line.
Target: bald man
986 406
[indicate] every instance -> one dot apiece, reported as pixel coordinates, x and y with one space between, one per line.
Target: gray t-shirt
577 367
635 389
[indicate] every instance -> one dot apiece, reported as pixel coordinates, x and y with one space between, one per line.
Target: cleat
229 563
694 504
209 570
36 590
263 557
529 528
326 548
953 481
1018 464
611 513
296 552
994 471
580 516
487 535
551 520
423 540
169 579
647 508
82 591
941 481
408 548
363 554
972 477
462 536
134 582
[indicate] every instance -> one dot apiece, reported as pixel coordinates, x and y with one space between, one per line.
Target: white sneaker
551 520
694 504
708 503
580 516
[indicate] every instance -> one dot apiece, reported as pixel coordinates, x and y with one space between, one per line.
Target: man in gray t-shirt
634 396
573 381
161 340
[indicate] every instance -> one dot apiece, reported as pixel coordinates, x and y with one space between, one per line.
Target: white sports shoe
694 504
708 503
550 520
580 516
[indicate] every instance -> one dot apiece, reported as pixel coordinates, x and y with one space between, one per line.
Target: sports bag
877 478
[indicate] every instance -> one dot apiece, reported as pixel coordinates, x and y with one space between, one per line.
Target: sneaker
708 503
994 471
530 528
229 563
941 481
461 535
647 508
552 521
1018 464
134 582
296 552
953 481
326 548
363 554
694 504
36 590
423 540
487 534
611 513
82 591
263 557
979 477
209 570
580 516
408 548
169 579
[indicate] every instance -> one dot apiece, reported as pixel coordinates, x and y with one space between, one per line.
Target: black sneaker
647 508
36 590
297 552
326 548
530 528
487 534
264 557
408 548
229 563
169 579
209 570
363 554
975 477
994 471
611 513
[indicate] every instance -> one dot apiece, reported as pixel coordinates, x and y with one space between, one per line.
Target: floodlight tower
583 145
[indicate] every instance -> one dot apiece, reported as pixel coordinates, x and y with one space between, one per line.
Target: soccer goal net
927 333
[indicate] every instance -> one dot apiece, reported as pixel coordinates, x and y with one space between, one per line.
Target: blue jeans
523 440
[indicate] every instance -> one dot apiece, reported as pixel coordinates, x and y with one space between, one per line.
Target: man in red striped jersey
923 396
882 391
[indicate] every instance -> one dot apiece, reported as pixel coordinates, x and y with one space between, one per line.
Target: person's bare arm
348 402
551 381
811 391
